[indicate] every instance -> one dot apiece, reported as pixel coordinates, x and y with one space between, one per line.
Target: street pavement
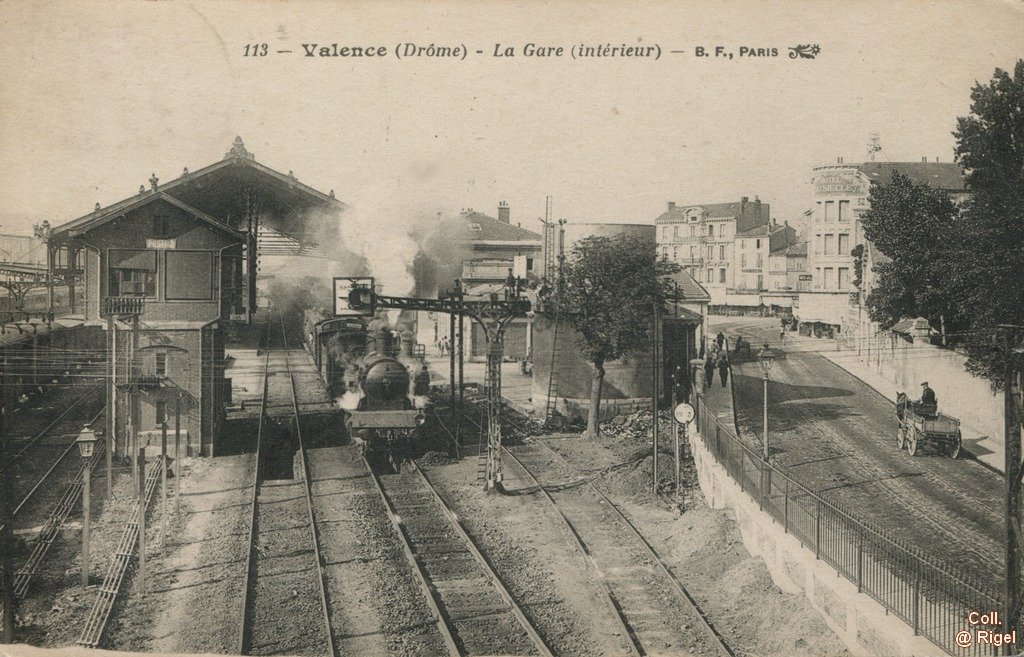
837 435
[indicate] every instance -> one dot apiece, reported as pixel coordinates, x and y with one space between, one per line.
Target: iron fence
934 598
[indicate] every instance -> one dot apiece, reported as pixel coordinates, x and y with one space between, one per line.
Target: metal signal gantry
493 315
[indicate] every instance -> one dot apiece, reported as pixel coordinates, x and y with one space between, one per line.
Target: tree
988 267
913 225
610 286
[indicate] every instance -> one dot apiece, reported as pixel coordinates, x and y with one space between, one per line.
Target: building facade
482 251
701 239
787 268
837 248
182 259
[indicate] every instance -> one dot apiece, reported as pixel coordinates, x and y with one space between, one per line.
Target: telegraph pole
111 395
6 579
655 387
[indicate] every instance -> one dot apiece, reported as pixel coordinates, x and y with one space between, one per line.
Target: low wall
862 624
890 364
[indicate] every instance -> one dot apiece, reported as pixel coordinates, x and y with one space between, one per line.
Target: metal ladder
552 400
481 447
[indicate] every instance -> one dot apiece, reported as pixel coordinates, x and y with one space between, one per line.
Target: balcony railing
123 306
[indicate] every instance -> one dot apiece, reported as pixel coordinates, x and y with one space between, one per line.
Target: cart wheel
954 449
901 437
912 439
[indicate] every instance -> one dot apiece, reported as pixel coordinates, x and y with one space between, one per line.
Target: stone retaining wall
862 624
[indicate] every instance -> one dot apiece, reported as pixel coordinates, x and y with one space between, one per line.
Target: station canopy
234 191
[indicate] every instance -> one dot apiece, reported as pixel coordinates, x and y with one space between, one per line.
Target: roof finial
97 206
142 189
184 172
332 193
153 180
290 174
238 150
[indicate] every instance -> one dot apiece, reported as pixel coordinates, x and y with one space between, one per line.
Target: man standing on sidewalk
723 368
709 371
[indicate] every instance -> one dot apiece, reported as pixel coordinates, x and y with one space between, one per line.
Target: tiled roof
234 162
940 175
744 213
478 227
102 216
756 231
798 249
690 288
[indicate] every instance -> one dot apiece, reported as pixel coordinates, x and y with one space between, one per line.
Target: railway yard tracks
284 544
649 601
476 614
43 481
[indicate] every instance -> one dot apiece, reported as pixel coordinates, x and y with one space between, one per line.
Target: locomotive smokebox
385 379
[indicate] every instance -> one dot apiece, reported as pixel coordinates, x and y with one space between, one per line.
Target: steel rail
47 474
245 633
46 430
485 565
613 601
719 641
307 488
421 578
636 648
721 645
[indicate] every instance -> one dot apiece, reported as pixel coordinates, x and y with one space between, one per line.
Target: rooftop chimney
936 159
744 199
924 159
503 212
839 160
671 205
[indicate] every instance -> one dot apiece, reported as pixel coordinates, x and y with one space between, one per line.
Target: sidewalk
987 449
718 400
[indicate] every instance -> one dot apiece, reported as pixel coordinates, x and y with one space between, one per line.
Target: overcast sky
96 97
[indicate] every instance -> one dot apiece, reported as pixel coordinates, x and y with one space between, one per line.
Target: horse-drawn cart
741 350
918 427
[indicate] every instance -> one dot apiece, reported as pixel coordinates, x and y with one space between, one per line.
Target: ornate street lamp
767 358
86 442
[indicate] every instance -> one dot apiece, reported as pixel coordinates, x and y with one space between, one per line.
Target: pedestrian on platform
720 339
709 371
723 368
421 387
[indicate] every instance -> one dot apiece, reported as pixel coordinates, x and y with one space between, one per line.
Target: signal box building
180 260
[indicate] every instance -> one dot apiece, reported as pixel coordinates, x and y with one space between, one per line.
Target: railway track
473 608
650 602
35 464
284 603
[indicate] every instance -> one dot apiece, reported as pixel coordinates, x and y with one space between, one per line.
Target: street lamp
86 444
767 358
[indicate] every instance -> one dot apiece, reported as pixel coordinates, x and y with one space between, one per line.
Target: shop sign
839 184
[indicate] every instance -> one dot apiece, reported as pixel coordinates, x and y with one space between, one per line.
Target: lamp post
767 358
86 444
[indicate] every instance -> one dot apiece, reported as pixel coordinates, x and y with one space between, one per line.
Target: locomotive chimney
503 212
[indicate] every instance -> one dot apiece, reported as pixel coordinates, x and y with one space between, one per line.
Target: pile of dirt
634 481
434 458
637 427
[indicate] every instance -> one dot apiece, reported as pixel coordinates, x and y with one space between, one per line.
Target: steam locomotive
385 418
360 362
